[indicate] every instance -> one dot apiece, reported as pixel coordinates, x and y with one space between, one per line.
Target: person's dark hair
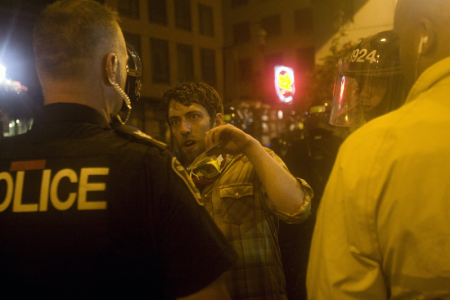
70 34
188 93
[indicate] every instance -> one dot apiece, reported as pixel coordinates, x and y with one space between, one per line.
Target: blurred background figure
314 155
311 157
370 83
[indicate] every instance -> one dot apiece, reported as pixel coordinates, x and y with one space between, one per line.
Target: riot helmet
133 83
317 117
370 83
134 74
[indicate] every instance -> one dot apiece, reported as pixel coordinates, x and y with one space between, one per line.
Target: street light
9 104
2 73
9 85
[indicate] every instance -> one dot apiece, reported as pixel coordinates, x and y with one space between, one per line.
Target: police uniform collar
69 112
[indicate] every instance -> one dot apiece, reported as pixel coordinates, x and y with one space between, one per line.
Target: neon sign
284 83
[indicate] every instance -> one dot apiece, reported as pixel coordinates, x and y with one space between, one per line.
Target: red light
341 93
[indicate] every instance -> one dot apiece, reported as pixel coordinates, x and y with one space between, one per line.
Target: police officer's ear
428 37
218 120
111 68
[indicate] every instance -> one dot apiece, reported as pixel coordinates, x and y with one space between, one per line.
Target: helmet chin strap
126 99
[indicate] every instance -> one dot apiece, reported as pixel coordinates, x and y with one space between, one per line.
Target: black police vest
73 213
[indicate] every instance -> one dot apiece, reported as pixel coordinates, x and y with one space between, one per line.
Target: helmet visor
358 98
346 109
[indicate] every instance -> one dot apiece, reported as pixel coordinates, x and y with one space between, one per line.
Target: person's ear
219 120
111 68
427 38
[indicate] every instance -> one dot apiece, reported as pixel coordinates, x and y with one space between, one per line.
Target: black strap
126 130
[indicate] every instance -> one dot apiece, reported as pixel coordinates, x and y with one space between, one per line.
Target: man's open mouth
189 143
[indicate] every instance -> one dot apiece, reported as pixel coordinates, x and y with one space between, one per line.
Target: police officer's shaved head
424 30
71 34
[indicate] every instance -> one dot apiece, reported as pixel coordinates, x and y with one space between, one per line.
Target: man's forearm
282 188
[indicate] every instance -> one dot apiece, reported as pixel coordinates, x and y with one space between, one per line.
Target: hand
233 140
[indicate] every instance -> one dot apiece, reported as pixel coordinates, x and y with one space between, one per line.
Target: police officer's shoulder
126 131
139 136
9 144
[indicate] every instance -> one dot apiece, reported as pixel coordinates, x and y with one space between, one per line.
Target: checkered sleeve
303 213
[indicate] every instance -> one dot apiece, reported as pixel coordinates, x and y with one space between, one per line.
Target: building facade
261 34
349 20
177 40
231 44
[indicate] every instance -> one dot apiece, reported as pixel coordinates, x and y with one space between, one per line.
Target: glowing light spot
2 73
341 94
280 114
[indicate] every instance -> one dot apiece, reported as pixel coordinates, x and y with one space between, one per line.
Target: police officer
87 210
370 83
383 223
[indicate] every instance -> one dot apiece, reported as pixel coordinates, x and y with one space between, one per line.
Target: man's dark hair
188 93
70 34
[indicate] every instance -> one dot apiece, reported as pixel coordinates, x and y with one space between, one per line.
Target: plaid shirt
237 202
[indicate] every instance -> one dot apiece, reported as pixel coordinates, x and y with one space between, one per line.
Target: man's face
372 94
189 125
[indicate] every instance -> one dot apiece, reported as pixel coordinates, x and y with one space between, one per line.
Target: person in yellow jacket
383 226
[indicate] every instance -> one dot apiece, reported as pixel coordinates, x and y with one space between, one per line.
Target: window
303 20
305 65
206 20
241 32
245 66
183 14
238 2
185 63
129 8
272 25
306 60
157 12
270 61
208 63
160 61
134 40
